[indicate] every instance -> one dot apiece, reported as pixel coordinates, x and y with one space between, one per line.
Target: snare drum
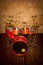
25 31
16 31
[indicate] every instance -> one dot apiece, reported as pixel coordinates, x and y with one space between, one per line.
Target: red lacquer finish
25 31
23 40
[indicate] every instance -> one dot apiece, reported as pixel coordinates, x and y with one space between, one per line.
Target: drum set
19 38
19 46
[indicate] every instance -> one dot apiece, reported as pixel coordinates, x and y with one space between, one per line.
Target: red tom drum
16 31
25 31
9 33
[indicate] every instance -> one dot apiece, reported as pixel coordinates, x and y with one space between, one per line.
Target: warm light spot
23 50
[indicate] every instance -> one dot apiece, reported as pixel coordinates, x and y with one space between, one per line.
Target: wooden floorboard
34 56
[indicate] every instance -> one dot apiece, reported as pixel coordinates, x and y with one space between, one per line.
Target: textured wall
21 11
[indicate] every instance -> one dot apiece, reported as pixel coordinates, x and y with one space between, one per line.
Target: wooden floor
34 56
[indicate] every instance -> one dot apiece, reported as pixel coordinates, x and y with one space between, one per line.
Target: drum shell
31 32
16 31
25 31
9 33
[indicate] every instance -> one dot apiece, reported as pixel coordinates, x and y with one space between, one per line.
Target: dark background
34 56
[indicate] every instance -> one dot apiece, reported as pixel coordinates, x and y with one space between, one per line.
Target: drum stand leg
25 61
